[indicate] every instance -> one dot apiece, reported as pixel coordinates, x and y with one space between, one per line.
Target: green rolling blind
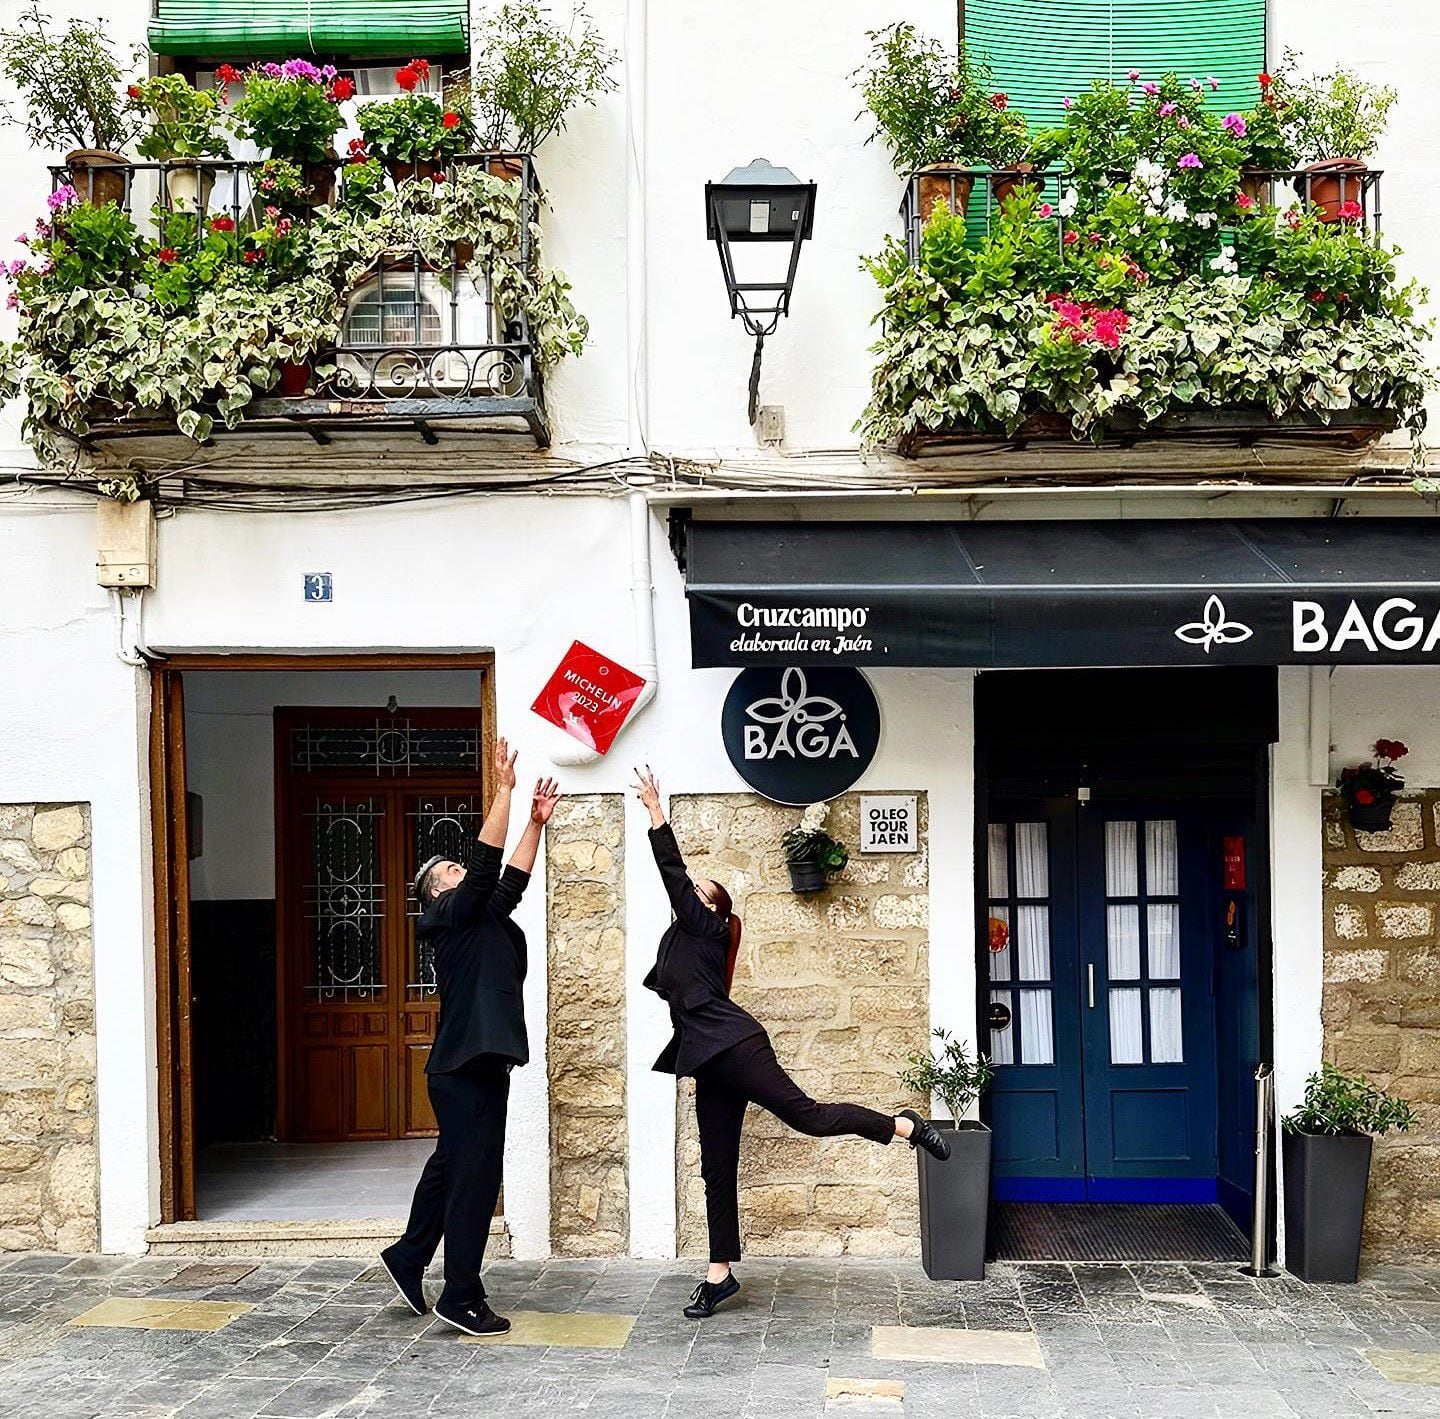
231 30
1042 50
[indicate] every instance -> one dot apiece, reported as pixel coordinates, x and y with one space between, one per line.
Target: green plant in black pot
1369 789
810 852
1327 1146
955 1194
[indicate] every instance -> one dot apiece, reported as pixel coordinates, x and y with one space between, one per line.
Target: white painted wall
1390 702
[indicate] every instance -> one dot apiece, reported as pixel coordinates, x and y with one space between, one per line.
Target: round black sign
800 736
999 1016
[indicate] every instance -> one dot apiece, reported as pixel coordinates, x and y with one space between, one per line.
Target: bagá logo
801 735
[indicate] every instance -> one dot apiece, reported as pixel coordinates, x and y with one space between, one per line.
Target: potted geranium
1328 1142
292 110
185 123
810 852
1268 144
529 75
1369 789
1335 121
74 96
939 115
414 135
955 1194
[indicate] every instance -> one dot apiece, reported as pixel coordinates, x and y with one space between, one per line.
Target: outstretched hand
647 788
542 805
505 764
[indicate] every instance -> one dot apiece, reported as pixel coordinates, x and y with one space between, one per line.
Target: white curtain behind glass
1002 1042
1037 1030
1166 1044
1127 1043
1032 860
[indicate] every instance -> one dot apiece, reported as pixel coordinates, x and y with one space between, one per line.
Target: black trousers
748 1072
456 1195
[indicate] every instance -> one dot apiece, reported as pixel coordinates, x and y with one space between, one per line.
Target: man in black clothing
480 962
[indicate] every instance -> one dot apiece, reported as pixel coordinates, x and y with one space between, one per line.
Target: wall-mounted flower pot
98 175
806 876
1004 185
188 186
1333 183
1372 817
295 379
1325 1181
955 1204
942 187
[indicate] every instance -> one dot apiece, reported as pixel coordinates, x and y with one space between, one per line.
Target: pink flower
62 197
282 227
1190 160
1071 237
273 212
23 238
1213 82
1067 103
1095 238
1244 201
12 301
1182 122
14 268
1134 74
1235 123
1195 84
1151 88
1350 212
1045 210
1292 220
272 71
1167 108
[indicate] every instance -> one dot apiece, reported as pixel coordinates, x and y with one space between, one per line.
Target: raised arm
689 910
516 876
482 872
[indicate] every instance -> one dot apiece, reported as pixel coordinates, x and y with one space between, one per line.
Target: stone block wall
840 978
1381 1006
585 904
49 1179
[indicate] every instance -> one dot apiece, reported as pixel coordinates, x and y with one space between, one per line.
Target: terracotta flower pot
320 179
294 379
1335 182
98 175
505 166
943 187
1004 185
403 169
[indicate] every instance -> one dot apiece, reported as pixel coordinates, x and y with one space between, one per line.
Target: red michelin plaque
589 696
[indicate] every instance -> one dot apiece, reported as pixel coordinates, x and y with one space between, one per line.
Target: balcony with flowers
300 296
1158 268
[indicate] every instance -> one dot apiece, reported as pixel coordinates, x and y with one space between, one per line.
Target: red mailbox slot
1233 858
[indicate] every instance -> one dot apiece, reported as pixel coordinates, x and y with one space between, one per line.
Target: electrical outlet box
124 543
770 426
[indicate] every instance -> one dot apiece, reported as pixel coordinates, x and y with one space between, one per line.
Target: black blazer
480 962
689 972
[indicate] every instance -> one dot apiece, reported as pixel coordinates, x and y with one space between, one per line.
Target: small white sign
889 823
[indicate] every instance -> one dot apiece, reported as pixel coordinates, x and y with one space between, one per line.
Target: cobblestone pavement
327 1338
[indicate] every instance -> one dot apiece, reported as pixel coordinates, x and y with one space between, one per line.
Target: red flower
1317 296
1095 238
1292 219
1350 212
251 257
1244 201
166 255
341 90
999 101
1390 749
421 67
437 177
450 120
228 74
1265 80
1342 295
133 91
407 78
222 224
1363 795
1071 237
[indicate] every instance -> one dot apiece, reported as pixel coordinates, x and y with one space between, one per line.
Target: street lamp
759 203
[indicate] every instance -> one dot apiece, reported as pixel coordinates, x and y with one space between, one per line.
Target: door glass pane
1000 960
1121 867
1037 1030
1126 1043
1162 921
1162 859
1166 1043
998 839
1032 942
1002 1042
1122 934
1032 860
345 901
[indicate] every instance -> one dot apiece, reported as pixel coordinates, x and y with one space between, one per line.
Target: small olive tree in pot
1327 1145
955 1194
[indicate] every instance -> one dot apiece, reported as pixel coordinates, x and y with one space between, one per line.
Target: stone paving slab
326 1339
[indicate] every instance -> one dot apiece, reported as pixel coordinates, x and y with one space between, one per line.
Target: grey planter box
1325 1181
955 1204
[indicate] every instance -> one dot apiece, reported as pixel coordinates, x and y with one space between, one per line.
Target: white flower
813 818
1068 202
1148 173
1225 262
1177 211
1205 219
1157 196
1164 245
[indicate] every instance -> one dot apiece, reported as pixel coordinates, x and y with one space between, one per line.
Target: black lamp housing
759 203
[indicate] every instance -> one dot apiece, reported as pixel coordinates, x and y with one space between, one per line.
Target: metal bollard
1264 1117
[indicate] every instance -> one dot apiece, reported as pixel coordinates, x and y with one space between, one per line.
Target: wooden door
358 1003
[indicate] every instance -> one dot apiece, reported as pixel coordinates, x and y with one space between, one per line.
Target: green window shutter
235 30
1042 50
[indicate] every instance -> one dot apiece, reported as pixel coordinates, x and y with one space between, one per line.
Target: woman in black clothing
730 1056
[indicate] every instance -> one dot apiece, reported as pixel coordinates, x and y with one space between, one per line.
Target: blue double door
1104 929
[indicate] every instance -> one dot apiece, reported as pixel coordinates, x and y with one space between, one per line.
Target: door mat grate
1103 1231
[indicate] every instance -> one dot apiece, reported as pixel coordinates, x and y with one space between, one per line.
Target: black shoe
925 1135
408 1282
474 1319
707 1296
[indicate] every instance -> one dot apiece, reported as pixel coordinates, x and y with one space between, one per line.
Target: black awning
1063 593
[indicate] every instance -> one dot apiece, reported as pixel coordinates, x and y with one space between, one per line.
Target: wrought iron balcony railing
421 340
